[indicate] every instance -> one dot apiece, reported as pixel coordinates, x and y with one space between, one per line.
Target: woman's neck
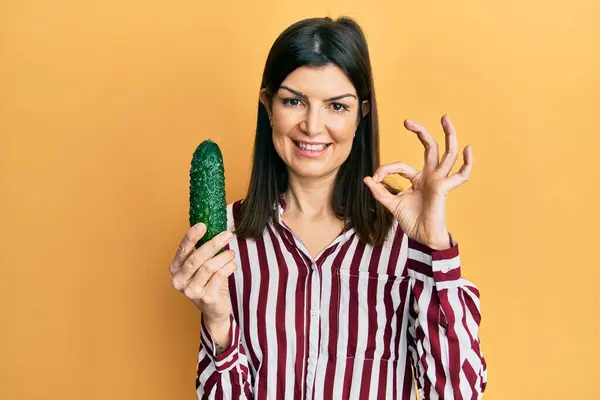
310 199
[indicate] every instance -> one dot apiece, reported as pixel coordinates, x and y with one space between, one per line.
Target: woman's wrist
443 243
219 331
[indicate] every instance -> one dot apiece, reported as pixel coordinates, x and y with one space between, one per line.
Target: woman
330 285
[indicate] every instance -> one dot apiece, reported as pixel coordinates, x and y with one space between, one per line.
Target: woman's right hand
202 276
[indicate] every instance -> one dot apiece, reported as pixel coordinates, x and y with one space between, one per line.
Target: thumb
379 191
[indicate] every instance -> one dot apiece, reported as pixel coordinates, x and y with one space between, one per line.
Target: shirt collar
288 234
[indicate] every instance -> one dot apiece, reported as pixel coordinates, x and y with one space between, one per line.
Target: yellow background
103 103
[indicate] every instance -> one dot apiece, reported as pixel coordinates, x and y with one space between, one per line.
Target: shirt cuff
441 265
230 356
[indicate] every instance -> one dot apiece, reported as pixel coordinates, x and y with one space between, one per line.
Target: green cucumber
207 190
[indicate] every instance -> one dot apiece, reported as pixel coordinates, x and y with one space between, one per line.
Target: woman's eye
339 107
291 101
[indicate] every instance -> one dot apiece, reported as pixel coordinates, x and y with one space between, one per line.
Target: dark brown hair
318 42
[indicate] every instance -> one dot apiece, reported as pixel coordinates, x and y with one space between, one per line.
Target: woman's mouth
310 147
310 150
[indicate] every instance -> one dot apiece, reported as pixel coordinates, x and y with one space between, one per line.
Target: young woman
332 286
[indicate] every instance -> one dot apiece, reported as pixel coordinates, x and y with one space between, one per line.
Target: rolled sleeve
230 356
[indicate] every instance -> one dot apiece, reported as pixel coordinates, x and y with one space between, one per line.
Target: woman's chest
351 303
313 238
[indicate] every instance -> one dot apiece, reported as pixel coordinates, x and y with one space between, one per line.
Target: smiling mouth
311 147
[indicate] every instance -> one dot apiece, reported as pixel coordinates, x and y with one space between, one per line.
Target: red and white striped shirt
356 322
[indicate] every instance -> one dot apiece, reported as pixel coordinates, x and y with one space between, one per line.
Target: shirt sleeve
223 376
444 321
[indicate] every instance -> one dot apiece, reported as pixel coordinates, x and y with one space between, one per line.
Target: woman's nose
312 124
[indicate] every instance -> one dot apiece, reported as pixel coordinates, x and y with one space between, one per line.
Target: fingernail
199 226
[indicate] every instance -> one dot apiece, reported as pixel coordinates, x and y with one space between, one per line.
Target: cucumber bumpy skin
207 190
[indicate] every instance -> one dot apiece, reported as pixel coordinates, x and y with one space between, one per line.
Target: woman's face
314 115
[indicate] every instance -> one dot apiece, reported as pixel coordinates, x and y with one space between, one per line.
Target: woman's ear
265 99
365 108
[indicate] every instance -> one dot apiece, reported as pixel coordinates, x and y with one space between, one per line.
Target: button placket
313 337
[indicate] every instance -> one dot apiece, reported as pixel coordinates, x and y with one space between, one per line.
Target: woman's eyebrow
300 94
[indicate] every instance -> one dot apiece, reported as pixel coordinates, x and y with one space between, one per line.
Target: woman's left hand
421 209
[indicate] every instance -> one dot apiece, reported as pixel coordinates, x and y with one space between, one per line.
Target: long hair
317 42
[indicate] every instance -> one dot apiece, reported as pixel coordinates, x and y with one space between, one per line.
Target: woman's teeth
311 147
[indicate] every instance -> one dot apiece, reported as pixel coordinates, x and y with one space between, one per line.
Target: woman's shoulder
231 209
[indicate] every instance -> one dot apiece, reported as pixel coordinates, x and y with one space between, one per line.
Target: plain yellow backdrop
103 103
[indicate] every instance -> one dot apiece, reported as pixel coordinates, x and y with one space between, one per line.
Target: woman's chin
313 171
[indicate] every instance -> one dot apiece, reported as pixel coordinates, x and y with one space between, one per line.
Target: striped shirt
355 322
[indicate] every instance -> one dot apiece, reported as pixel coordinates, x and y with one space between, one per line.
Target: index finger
431 146
187 246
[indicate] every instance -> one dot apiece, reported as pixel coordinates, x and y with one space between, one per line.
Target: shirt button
314 312
311 361
421 393
445 269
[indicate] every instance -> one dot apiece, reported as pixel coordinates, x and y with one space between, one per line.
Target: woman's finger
196 288
431 146
187 246
451 155
463 173
380 193
213 287
210 267
199 257
400 168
